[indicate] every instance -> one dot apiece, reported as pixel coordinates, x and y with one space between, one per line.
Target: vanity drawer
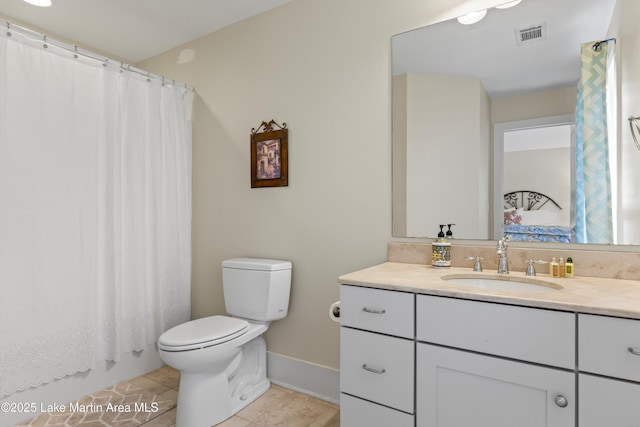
603 346
378 368
356 412
388 312
533 335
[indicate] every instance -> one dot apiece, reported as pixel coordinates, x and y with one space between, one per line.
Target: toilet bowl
222 359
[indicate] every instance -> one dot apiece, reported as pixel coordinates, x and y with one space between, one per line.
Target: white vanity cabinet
609 365
417 360
486 364
377 357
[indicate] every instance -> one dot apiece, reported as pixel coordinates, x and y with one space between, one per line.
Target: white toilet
223 360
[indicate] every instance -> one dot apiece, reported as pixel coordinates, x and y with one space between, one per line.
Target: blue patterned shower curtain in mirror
594 214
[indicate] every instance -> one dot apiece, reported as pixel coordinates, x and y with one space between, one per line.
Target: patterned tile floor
150 401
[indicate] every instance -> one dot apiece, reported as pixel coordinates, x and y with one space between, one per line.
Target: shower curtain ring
44 44
8 29
75 51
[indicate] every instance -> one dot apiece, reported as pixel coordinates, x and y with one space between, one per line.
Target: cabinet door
608 402
457 388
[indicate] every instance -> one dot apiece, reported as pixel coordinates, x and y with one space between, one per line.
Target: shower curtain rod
46 42
596 45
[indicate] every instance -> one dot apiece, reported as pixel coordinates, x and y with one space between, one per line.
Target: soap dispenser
441 251
449 232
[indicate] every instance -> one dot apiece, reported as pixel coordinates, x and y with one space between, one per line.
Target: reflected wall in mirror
455 87
534 169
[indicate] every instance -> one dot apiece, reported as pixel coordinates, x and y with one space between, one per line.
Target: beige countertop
612 297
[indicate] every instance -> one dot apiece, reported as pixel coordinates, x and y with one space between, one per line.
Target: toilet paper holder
334 311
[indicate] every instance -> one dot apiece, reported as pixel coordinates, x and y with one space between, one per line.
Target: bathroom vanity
420 350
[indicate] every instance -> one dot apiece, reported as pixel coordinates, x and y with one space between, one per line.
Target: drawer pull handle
373 370
561 401
374 310
634 351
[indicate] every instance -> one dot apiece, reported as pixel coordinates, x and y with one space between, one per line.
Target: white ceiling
134 30
488 50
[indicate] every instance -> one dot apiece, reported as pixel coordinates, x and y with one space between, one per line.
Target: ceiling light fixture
39 3
472 18
508 5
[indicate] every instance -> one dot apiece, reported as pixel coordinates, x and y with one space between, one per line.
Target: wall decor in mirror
504 105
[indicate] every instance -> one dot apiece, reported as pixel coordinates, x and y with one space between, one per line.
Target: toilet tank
256 289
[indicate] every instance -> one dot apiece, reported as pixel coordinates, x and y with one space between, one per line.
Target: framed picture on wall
269 155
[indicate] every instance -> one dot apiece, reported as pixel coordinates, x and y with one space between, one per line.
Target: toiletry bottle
569 268
554 270
441 251
562 268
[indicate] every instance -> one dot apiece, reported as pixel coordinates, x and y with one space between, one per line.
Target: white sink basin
502 283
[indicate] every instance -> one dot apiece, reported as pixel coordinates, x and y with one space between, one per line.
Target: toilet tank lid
256 264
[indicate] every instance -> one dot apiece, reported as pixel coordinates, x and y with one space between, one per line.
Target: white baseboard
306 377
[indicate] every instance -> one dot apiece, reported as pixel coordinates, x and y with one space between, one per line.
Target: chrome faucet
503 262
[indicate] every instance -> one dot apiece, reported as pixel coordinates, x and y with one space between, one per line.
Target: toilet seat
202 333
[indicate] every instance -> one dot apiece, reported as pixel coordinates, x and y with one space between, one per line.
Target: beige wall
322 66
556 102
522 172
399 147
439 150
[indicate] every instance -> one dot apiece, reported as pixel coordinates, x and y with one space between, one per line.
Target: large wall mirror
484 122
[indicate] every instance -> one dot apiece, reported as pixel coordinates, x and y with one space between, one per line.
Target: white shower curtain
95 211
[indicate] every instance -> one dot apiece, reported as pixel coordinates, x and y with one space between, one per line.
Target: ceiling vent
531 34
